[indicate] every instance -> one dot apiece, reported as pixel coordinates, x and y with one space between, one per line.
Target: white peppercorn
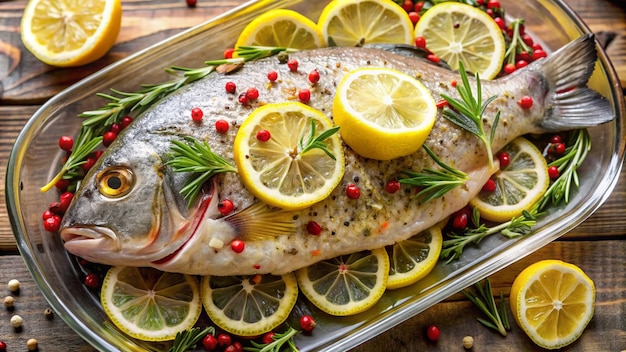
13 285
9 301
468 342
16 321
32 344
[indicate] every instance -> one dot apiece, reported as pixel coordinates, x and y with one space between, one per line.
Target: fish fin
260 221
567 72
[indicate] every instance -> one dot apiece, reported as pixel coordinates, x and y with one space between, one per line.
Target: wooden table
598 246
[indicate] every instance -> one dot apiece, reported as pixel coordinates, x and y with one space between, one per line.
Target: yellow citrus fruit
277 171
249 305
518 186
383 113
68 33
149 304
359 22
460 32
348 284
282 28
553 301
410 260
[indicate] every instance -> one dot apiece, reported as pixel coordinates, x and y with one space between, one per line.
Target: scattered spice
225 207
196 114
92 280
9 301
352 191
237 246
489 186
313 228
16 321
526 102
66 143
32 344
48 313
505 159
293 65
221 126
468 342
13 285
314 76
392 186
252 93
230 87
432 332
272 76
304 95
307 323
209 342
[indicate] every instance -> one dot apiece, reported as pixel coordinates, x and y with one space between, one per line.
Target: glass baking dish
33 162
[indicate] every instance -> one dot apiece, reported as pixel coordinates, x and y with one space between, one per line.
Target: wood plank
601 260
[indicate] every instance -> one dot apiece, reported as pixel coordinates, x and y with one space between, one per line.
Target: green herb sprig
317 142
467 112
188 339
516 44
280 339
558 192
196 156
122 104
434 183
482 296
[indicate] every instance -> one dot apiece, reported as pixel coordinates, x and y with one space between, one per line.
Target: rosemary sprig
317 142
482 297
188 339
121 103
517 44
434 183
197 157
558 192
280 339
467 112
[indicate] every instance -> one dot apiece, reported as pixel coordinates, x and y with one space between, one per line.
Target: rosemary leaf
280 339
188 339
318 142
482 297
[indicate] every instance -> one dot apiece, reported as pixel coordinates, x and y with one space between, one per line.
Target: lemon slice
518 186
149 304
348 284
282 28
553 301
68 33
359 22
410 260
460 32
275 170
249 305
383 113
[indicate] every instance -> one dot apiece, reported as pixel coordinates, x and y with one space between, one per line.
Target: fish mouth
85 239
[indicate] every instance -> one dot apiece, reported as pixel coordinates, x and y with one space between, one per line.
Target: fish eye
115 182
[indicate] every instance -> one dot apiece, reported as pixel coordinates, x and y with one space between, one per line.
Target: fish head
125 212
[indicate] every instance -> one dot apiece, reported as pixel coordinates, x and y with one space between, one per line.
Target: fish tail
259 222
566 72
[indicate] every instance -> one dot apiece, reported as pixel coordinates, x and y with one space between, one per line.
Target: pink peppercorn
272 76
304 95
230 87
293 65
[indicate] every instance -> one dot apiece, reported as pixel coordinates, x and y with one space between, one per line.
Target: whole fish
129 210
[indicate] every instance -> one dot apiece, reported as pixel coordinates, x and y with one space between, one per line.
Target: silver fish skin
150 224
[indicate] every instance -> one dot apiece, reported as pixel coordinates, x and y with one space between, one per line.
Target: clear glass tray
33 162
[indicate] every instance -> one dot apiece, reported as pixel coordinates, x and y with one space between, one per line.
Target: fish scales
152 225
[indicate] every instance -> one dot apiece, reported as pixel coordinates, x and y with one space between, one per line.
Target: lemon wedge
359 22
412 259
272 163
149 304
383 113
348 284
282 28
553 301
518 186
68 33
460 32
249 305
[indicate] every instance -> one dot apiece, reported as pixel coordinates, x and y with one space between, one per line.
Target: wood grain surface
598 245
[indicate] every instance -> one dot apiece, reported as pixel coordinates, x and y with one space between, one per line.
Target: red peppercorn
509 68
268 338
65 199
209 342
92 280
500 22
420 42
432 332
505 159
352 191
115 128
414 17
304 95
523 56
230 87
489 186
47 214
293 65
90 161
392 186
453 83
556 139
553 172
226 206
221 126
52 223
432 57
108 138
263 135
307 323
557 148
228 53
197 114
442 104
237 346
418 6
538 54
526 102
252 93
243 99
3 346
230 348
272 76
314 76
537 46
493 4
97 154
459 220
126 120
407 5
224 340
62 184
66 143
313 228
191 3
237 246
